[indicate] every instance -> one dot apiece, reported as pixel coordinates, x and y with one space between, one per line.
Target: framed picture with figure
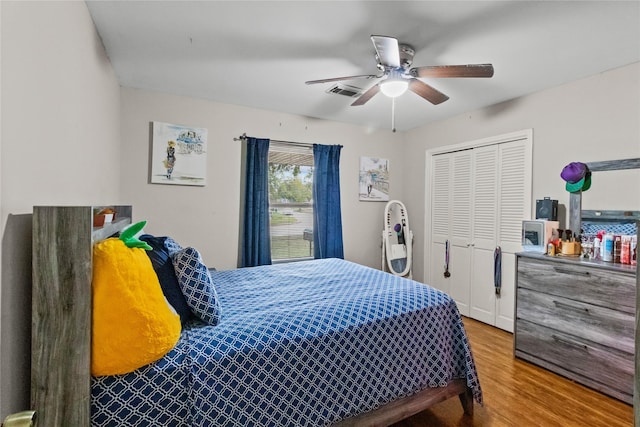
374 179
179 154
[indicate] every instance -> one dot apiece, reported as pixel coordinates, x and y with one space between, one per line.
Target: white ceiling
260 53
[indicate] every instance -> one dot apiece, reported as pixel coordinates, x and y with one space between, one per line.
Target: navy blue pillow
196 284
163 267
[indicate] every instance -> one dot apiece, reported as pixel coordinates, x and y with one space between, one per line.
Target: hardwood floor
517 393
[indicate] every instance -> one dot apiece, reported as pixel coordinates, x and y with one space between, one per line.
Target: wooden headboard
63 238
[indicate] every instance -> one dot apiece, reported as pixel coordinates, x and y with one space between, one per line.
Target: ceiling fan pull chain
393 114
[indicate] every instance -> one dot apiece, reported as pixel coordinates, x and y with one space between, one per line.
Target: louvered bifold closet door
439 180
461 187
484 234
515 193
514 201
441 198
479 197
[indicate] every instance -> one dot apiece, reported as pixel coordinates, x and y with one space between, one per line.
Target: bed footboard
403 408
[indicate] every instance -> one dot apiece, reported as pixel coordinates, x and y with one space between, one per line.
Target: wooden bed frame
61 324
403 408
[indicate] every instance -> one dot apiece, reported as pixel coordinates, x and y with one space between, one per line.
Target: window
290 201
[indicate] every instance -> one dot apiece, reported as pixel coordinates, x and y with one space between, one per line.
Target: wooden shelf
109 229
615 216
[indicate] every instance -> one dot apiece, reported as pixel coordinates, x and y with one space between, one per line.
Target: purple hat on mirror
578 177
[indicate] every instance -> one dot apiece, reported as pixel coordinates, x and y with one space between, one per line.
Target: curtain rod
243 137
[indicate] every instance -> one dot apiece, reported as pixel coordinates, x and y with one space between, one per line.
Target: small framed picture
179 154
374 179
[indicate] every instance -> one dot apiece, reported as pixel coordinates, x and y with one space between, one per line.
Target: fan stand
397 241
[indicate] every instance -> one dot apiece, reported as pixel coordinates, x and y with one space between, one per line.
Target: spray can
625 250
596 248
617 248
607 247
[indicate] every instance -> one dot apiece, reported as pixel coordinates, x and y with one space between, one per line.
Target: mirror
397 240
605 199
613 190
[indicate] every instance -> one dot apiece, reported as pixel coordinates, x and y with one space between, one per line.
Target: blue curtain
327 230
256 241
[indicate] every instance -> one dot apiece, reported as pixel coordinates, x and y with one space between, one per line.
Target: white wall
0 191
208 218
594 119
60 146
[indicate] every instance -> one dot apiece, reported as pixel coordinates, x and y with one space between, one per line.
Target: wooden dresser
577 318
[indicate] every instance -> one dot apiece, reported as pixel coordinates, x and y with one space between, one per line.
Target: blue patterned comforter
306 343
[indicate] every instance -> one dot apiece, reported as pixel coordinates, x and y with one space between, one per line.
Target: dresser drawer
608 327
615 290
568 353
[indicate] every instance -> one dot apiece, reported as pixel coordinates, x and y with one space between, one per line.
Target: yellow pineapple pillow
133 324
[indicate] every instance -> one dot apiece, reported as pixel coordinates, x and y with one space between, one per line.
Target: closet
478 193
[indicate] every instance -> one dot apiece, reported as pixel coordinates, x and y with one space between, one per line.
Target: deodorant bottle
607 248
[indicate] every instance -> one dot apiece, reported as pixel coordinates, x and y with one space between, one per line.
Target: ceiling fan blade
429 93
367 95
387 50
470 70
337 79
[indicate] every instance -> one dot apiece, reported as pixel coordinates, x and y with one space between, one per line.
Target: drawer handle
571 307
571 343
576 272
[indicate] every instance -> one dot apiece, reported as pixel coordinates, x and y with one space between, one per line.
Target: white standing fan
397 240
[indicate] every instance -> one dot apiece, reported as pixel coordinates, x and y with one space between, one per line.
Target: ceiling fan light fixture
393 61
393 88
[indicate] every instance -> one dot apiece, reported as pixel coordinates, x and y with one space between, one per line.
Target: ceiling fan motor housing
405 52
406 56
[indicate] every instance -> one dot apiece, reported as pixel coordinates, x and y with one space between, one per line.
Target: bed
322 342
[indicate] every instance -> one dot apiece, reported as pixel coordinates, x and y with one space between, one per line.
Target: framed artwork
374 179
179 154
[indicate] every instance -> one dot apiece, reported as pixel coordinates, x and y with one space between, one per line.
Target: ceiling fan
394 59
